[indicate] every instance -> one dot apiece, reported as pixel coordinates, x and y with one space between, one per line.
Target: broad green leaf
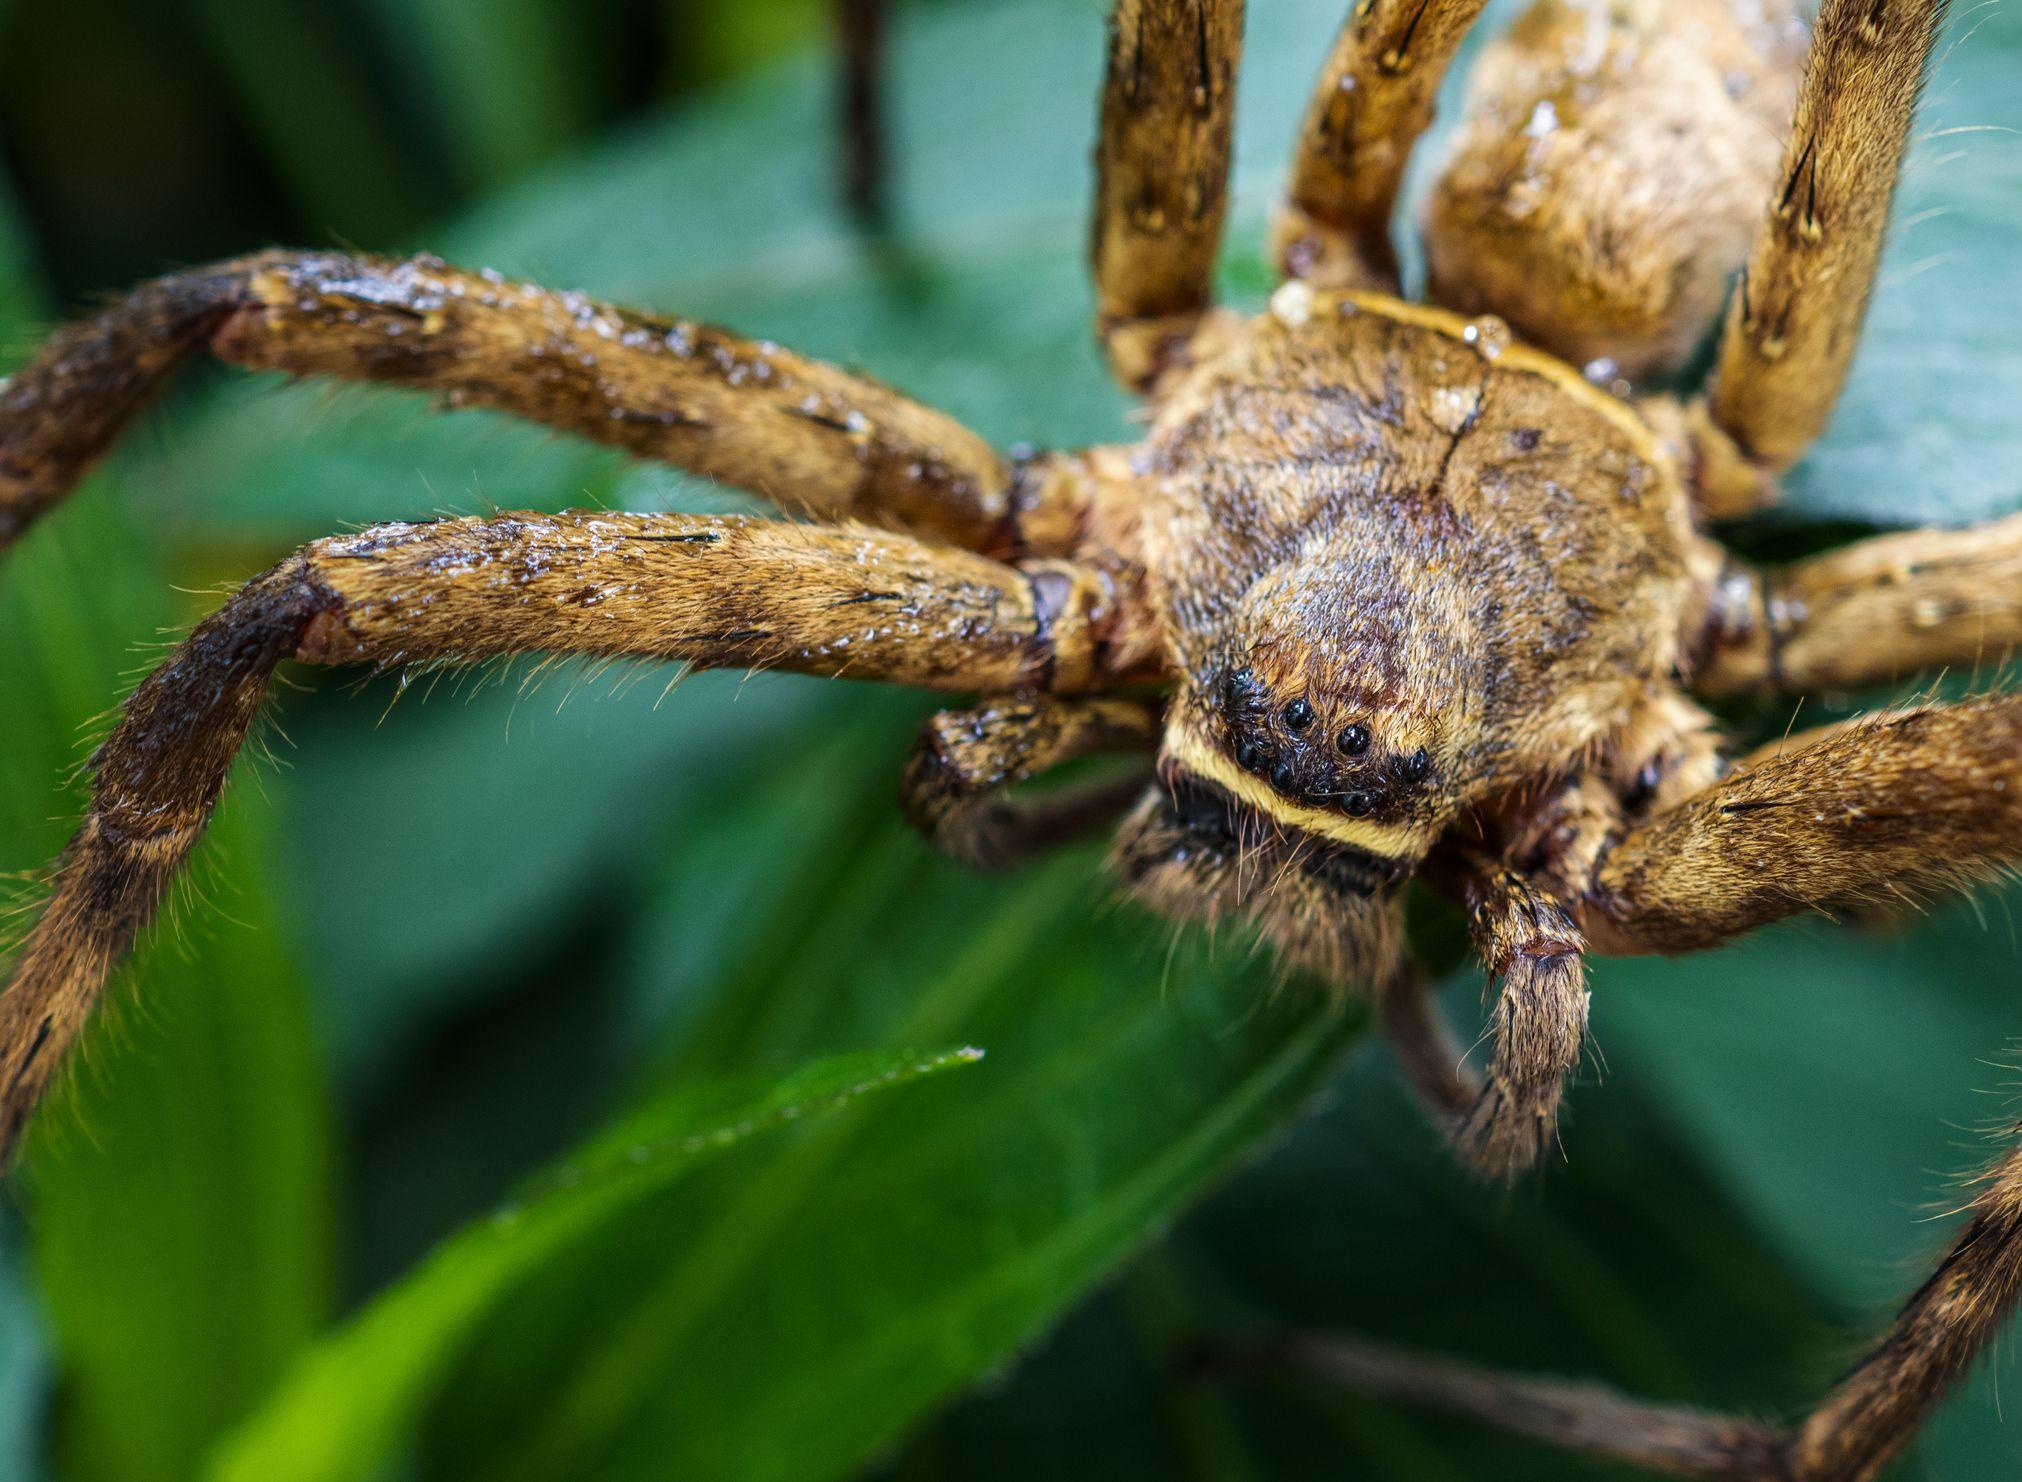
355 1397
1625 1264
502 80
789 1320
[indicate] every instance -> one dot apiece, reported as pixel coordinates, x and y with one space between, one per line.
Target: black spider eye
1250 757
1281 776
1298 715
1354 741
1417 766
1356 804
1241 688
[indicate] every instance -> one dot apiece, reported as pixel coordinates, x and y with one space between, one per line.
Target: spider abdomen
1612 164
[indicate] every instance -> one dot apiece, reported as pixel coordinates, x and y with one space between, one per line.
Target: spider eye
1282 776
1298 715
1250 757
1354 741
1356 804
1417 766
1241 689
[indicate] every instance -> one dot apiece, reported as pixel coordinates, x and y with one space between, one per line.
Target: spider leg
1871 612
1796 315
714 592
957 783
1162 173
1583 1417
1432 1062
1373 100
1869 1416
1887 807
806 435
861 27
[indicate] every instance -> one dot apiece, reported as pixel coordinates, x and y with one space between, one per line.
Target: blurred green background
561 1082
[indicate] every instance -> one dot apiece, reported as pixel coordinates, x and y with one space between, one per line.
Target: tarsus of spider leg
1587 1418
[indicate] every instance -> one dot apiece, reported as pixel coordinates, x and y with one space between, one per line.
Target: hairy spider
1387 591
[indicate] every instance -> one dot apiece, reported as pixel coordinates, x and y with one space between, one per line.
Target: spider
1387 590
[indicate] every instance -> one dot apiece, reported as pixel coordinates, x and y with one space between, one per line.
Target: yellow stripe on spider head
1384 840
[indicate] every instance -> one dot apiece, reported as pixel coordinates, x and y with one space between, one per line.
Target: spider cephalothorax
1387 593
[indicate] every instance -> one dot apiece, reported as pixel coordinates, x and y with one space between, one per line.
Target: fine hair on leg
1374 98
1162 176
1795 318
808 436
709 591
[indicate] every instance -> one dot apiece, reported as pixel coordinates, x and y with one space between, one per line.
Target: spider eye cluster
1339 762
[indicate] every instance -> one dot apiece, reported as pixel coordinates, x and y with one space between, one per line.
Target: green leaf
356 1396
1626 1264
501 79
1840 1082
793 1314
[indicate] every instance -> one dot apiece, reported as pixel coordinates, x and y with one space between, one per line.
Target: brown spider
1385 590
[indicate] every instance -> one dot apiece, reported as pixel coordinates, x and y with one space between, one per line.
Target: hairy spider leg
1881 810
709 591
1499 1124
1796 315
1862 1425
808 436
1868 613
1373 100
1162 175
956 789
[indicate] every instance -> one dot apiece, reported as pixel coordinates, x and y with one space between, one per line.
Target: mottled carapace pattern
1385 592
